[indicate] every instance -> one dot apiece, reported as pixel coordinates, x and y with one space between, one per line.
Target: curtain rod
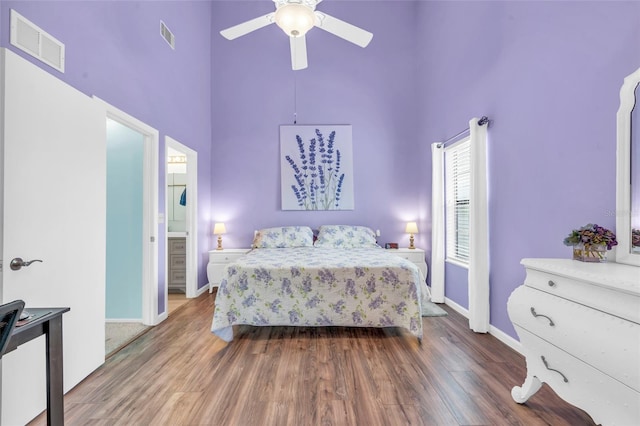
481 122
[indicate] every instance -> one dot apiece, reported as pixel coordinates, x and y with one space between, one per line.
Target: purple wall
114 51
372 89
548 74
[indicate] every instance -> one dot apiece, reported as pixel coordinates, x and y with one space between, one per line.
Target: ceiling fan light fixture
295 19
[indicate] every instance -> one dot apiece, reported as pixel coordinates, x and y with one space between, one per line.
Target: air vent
30 38
167 35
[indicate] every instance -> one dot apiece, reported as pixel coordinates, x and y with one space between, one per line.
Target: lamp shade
219 229
412 228
295 19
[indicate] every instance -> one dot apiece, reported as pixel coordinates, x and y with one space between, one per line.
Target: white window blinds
457 190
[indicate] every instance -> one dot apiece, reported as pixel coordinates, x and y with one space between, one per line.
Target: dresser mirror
628 173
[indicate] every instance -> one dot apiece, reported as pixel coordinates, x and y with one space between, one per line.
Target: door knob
17 263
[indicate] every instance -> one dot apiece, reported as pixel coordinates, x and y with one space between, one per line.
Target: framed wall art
316 167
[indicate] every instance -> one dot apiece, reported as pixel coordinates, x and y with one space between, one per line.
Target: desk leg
55 402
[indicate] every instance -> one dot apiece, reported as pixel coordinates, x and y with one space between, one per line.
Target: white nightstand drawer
415 257
226 258
226 255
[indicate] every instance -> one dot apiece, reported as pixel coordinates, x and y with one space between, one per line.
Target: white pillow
283 237
345 236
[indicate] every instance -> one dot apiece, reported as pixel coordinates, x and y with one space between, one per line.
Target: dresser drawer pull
546 364
536 315
551 283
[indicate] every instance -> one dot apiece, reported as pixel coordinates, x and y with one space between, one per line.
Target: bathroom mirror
628 173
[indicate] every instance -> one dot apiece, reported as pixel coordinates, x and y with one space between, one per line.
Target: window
457 186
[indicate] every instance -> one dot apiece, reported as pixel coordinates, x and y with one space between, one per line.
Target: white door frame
191 285
151 140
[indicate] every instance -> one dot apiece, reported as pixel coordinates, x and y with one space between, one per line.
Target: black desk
51 326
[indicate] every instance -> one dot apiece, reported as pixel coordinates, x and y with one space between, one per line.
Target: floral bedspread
312 286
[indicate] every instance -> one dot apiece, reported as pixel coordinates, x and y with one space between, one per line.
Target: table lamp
412 228
219 229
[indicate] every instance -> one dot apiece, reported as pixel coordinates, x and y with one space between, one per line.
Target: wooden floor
180 374
175 301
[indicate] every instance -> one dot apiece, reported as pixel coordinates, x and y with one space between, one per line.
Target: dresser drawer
601 298
608 343
607 399
178 261
177 277
177 245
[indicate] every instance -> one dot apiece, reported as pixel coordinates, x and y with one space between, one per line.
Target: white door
53 208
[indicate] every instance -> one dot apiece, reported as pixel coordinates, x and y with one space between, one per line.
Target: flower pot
590 253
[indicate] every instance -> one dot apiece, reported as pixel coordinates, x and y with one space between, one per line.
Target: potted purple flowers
591 243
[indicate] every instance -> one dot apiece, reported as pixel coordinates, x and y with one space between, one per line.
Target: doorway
181 223
125 164
149 195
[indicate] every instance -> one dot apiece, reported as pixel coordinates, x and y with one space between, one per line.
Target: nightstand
413 255
218 259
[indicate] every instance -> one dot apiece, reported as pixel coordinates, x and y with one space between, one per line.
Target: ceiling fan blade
298 52
343 29
247 27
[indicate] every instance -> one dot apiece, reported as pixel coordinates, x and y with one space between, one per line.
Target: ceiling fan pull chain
295 99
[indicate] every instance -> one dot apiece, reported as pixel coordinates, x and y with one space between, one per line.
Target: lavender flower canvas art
316 167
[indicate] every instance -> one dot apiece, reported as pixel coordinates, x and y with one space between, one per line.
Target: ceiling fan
295 18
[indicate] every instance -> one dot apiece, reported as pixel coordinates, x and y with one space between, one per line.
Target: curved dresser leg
531 385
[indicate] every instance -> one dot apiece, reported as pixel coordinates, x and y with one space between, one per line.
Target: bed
344 279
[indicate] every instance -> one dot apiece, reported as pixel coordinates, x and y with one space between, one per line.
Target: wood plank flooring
180 374
175 301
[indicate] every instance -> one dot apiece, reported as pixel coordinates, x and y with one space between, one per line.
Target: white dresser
218 259
579 326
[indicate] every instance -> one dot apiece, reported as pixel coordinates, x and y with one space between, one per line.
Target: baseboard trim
494 331
506 339
458 308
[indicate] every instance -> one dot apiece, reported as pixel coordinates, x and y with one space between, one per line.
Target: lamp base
411 240
219 243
